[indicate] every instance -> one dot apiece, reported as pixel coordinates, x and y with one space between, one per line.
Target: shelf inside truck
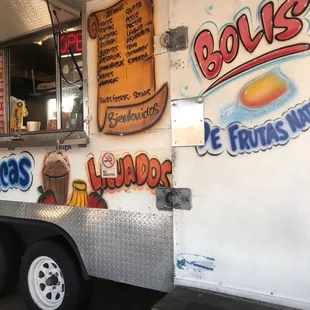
55 138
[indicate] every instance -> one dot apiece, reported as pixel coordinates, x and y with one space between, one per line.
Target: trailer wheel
10 259
51 279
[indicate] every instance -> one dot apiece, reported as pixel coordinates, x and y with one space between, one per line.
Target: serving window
44 88
71 84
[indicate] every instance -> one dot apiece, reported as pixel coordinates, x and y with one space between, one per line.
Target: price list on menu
126 73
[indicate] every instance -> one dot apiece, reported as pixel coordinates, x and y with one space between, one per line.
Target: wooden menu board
127 98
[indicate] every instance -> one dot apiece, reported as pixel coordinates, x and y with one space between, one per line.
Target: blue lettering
233 136
16 173
25 177
271 134
13 172
253 138
304 120
283 134
216 144
207 132
261 131
4 171
243 139
306 109
243 135
293 121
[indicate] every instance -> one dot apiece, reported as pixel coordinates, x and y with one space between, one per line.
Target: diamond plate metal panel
128 247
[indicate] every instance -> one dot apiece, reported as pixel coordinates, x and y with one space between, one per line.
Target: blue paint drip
203 267
308 22
259 9
181 264
183 90
237 15
194 260
209 9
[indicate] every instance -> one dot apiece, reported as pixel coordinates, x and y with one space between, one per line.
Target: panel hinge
168 199
88 119
175 39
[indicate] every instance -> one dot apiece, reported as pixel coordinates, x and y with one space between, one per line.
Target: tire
10 260
51 278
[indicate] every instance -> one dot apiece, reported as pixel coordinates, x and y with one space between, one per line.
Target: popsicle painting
249 68
263 91
260 96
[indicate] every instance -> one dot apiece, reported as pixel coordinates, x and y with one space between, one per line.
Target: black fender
29 231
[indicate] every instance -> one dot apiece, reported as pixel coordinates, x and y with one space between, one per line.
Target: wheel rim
46 283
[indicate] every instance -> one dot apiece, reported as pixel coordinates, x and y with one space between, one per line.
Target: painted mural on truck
128 100
16 172
139 171
250 64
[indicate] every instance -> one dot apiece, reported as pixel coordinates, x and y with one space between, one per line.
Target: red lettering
104 184
210 62
248 42
142 167
281 25
229 52
111 183
276 54
63 45
129 170
267 20
74 40
119 181
71 39
154 173
79 41
143 171
166 169
95 179
292 26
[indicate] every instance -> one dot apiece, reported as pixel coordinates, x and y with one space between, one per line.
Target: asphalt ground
107 296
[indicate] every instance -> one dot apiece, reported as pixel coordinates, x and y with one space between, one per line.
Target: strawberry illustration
95 200
47 198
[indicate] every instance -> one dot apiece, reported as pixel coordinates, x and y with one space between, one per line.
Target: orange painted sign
127 97
141 170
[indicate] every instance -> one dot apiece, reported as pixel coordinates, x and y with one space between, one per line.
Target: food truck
156 143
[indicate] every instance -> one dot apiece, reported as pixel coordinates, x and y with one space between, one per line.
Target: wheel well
28 232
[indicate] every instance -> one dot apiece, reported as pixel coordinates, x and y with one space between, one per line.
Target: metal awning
21 17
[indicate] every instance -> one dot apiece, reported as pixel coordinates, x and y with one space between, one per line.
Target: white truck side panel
247 233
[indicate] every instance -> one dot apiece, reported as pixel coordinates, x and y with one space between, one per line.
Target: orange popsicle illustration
264 90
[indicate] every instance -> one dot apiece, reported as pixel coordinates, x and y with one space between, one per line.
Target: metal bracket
175 39
168 199
187 122
88 119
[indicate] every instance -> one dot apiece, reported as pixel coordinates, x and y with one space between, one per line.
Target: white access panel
248 232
